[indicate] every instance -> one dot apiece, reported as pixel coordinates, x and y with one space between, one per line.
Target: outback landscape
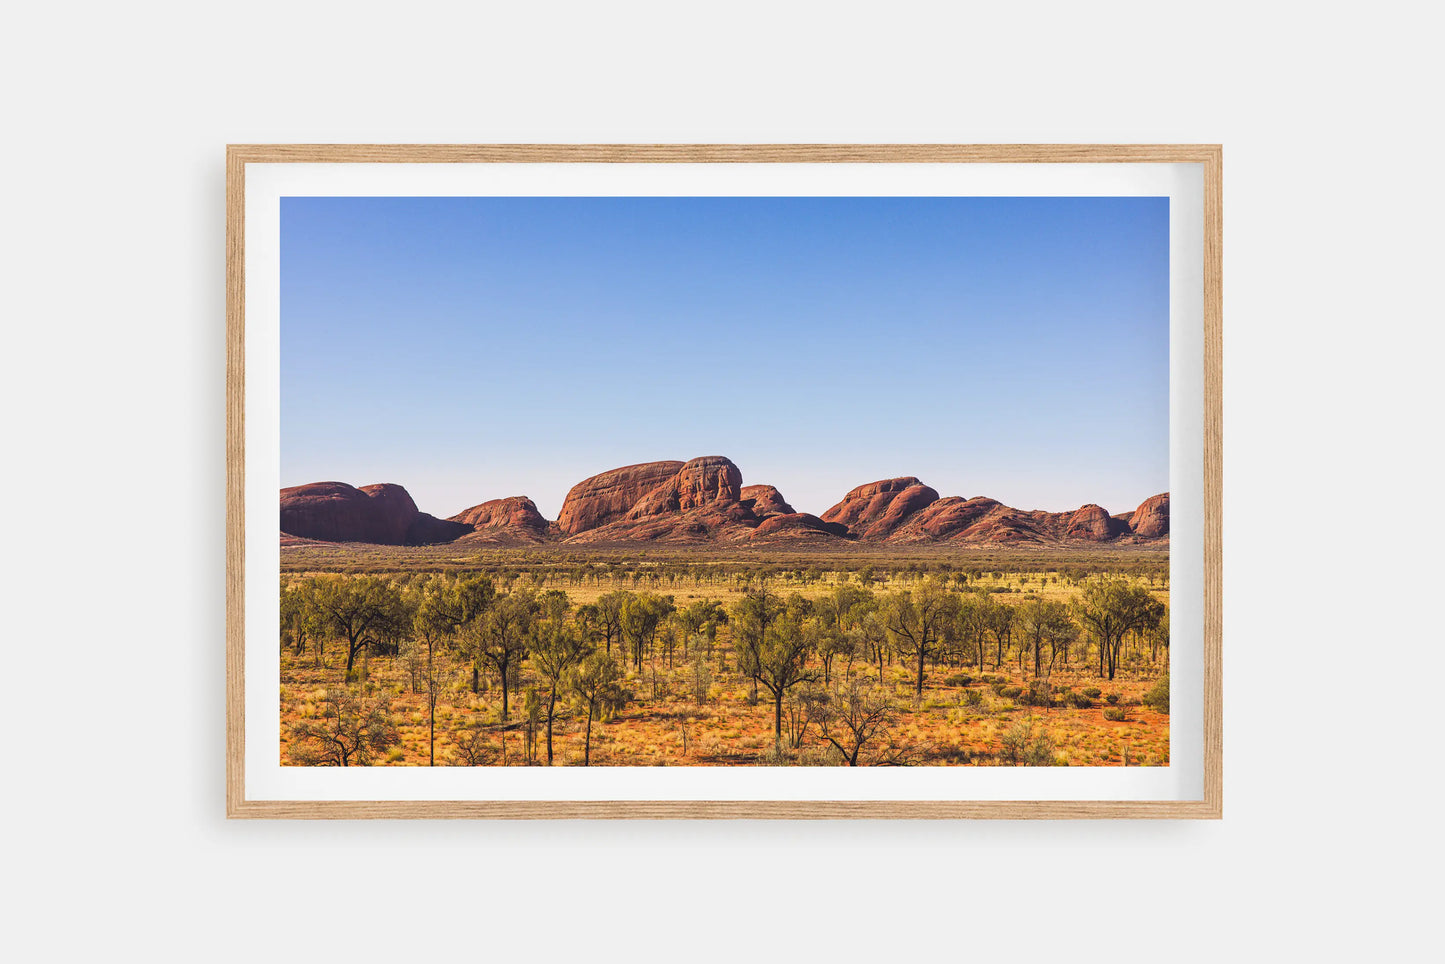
673 616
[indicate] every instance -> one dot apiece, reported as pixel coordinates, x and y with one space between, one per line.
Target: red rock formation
380 514
765 501
1151 519
870 512
718 522
797 525
516 511
514 519
944 519
337 512
709 480
611 495
702 500
1093 524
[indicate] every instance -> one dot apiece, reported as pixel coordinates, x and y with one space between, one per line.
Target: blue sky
474 348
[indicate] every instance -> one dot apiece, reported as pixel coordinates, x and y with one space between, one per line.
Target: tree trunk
777 716
920 672
587 742
551 711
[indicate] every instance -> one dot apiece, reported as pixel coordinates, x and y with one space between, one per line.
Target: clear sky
474 348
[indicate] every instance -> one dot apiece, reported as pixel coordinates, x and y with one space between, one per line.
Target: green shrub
1079 701
997 686
1038 694
957 679
1112 699
1023 746
1158 696
972 698
1116 713
1010 692
1093 692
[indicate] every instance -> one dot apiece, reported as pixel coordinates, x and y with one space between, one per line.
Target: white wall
116 117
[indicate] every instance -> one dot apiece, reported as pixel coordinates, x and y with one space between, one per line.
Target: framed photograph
724 481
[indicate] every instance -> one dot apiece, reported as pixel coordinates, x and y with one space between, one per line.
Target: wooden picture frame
240 157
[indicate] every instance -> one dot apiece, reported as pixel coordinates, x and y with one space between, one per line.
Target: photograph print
724 482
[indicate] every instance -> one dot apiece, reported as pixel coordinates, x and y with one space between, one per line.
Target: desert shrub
1112 699
1011 692
1079 701
1158 696
972 698
997 686
1093 692
1026 746
1038 694
1116 713
957 679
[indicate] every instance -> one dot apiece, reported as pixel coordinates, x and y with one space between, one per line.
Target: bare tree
855 716
351 731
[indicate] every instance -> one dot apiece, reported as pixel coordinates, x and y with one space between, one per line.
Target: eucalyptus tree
777 658
597 683
918 622
609 616
1110 609
302 619
556 648
499 637
362 609
1044 622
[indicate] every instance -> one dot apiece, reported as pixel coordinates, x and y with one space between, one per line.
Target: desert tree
918 623
1110 609
854 716
597 684
361 609
466 599
802 708
609 616
999 621
556 649
435 617
499 637
1044 622
642 614
971 627
1158 636
302 619
777 658
350 730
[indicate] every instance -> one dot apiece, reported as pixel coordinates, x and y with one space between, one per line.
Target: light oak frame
1210 156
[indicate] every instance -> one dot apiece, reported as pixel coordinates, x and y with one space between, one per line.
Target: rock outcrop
611 495
874 511
1151 519
1091 523
381 514
765 501
793 526
704 500
708 481
513 519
